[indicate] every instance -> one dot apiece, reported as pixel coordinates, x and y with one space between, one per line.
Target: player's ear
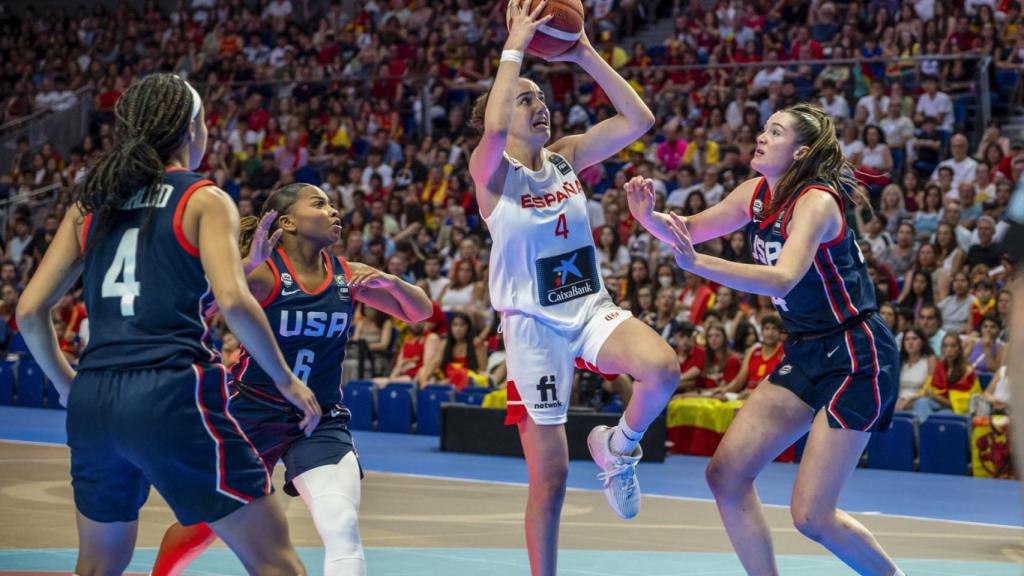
801 152
286 223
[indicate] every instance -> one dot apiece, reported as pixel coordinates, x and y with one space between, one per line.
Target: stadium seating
945 446
31 384
472 395
359 400
395 408
428 407
7 371
893 449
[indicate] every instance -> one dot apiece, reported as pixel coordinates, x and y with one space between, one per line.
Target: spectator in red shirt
691 357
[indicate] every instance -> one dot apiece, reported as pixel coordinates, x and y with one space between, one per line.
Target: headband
197 102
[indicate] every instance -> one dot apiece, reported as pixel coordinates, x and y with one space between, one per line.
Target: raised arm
818 211
390 294
609 137
717 221
487 164
57 272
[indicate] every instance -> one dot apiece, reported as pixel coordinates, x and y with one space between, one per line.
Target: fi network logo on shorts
548 393
567 276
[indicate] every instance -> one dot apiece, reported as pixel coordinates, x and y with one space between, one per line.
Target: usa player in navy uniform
308 295
149 403
839 376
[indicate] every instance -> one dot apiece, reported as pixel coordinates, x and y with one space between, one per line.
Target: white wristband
511 56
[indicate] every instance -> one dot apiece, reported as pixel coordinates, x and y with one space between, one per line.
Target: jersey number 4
562 227
123 267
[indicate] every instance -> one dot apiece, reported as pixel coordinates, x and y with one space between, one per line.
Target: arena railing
64 129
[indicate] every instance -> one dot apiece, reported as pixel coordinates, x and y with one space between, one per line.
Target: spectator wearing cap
961 163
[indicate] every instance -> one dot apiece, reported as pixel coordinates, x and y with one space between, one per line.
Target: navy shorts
274 430
852 375
165 427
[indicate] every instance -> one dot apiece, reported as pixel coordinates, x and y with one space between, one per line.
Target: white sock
624 439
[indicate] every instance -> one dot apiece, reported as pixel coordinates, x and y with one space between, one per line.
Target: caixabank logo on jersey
567 276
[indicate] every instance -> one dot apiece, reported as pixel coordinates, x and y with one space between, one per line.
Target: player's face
197 148
314 217
531 117
777 147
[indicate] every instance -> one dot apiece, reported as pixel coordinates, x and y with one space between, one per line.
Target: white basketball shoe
621 487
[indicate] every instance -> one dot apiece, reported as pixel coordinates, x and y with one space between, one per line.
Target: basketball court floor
425 512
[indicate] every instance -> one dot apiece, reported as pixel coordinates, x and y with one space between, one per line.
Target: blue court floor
961 505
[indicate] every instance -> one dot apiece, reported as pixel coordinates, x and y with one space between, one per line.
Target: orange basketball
561 32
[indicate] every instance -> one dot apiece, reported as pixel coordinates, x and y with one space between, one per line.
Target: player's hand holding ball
555 28
523 23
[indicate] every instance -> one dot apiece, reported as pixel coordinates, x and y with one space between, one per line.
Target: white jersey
543 260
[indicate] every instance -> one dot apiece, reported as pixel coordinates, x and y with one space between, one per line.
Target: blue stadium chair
472 395
359 400
428 408
7 371
31 383
893 449
395 408
18 345
945 446
985 378
613 406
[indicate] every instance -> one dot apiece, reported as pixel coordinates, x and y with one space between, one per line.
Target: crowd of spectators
369 100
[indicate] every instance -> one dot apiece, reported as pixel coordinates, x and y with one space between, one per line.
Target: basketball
560 33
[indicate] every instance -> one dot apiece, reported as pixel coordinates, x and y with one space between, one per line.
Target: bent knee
726 481
660 365
813 524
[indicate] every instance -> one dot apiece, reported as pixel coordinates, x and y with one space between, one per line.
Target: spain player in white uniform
546 284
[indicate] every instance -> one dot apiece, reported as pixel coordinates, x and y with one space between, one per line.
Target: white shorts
541 361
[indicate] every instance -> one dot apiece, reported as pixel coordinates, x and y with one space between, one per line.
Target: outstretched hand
262 244
522 25
640 194
370 277
682 246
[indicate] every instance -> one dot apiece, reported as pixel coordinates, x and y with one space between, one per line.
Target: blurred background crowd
369 100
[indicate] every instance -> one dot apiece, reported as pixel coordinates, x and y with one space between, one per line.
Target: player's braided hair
824 160
282 200
151 123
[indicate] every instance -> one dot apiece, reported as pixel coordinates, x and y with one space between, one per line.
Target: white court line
670 497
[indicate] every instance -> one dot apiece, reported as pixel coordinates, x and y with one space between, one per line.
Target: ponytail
151 122
246 232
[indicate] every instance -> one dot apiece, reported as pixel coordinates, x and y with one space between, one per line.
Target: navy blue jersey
311 328
144 284
835 289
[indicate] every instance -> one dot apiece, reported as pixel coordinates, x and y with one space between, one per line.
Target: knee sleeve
332 495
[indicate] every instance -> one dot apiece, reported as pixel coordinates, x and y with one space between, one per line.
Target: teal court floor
425 512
